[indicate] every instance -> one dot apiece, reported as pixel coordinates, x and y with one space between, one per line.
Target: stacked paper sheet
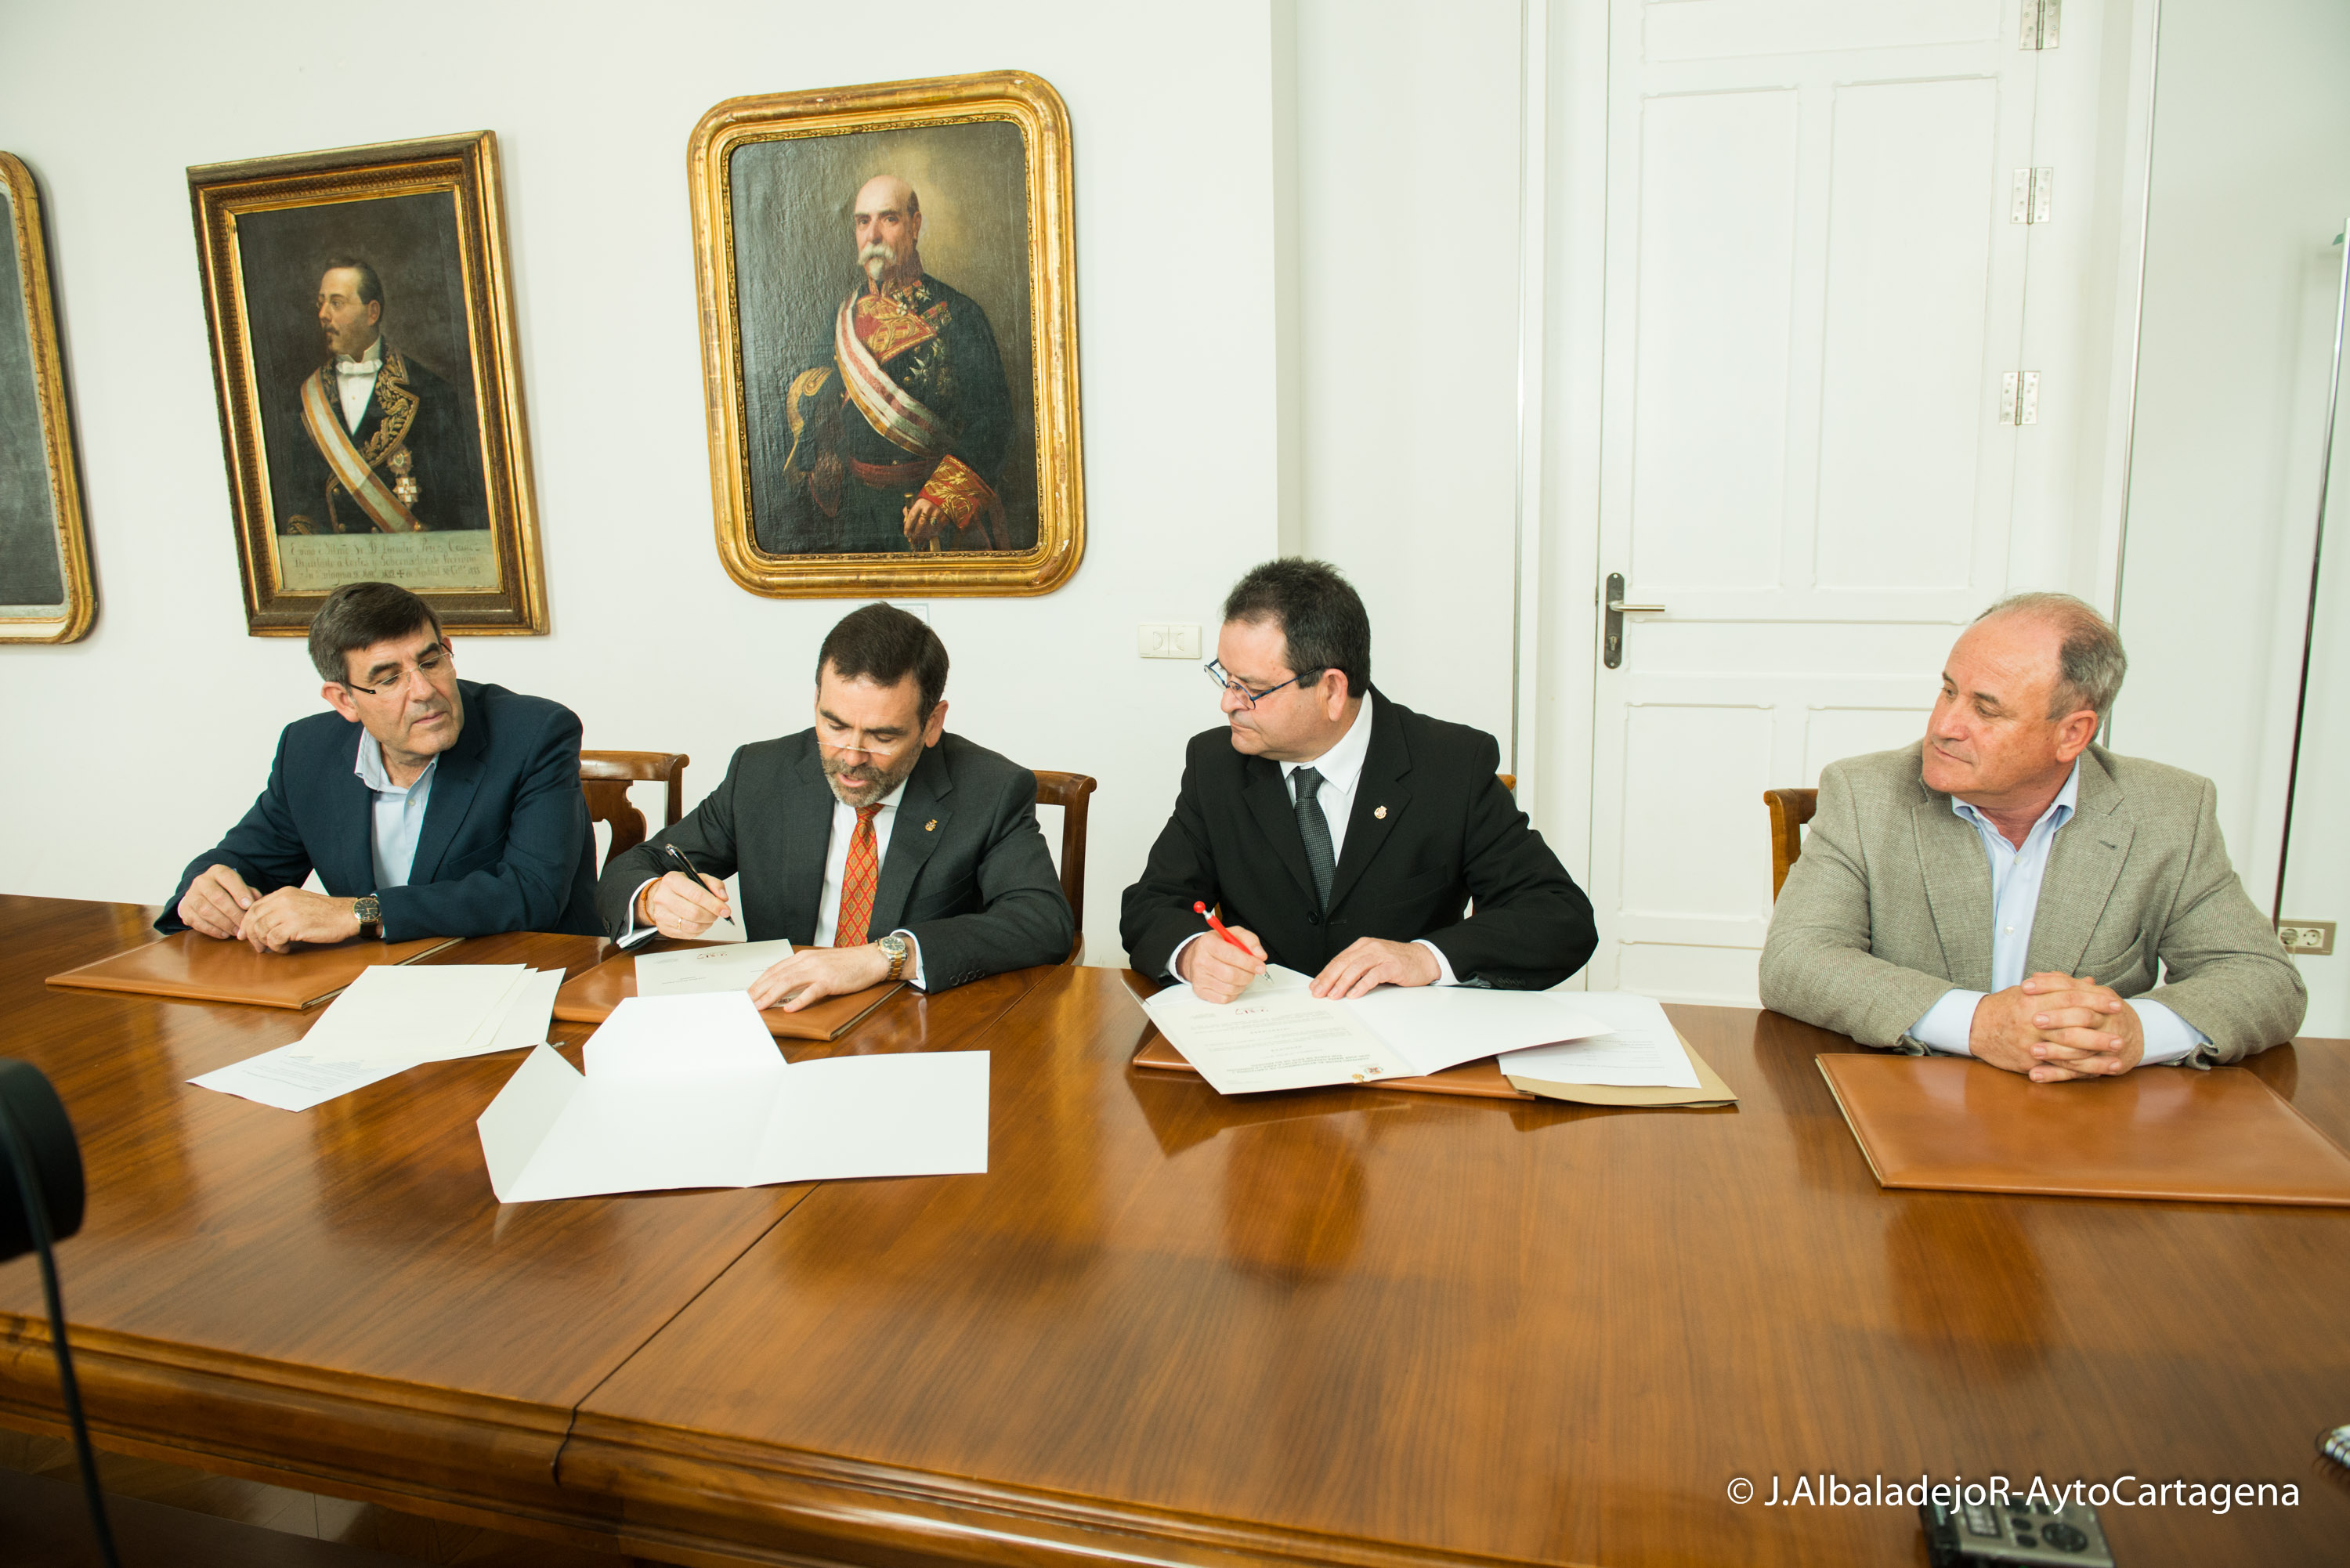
690 1091
1637 1049
391 1019
1278 1035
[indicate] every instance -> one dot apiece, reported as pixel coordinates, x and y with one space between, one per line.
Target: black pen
674 853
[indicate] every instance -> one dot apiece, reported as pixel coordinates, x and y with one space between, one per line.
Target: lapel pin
932 826
1380 812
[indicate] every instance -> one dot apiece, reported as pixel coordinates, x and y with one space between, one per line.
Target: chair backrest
1508 781
1070 792
1790 809
603 779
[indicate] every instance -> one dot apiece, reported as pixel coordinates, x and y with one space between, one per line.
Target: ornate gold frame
80 605
1025 100
467 165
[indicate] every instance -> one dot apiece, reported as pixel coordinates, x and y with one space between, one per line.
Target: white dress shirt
1341 768
396 817
836 873
355 380
2015 876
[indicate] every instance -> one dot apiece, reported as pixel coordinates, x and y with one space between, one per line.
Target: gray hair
2090 663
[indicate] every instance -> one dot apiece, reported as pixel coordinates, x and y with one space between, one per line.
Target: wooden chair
1790 809
1070 792
603 779
1508 781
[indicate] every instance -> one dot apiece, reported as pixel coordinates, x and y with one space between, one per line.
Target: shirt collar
372 772
1342 764
2059 812
347 365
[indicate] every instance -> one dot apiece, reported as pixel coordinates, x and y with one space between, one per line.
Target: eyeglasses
429 662
1227 681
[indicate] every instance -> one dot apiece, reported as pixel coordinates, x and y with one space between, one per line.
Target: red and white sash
324 420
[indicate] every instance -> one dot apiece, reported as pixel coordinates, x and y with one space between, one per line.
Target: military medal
405 486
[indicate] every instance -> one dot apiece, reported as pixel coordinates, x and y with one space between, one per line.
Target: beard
876 259
862 783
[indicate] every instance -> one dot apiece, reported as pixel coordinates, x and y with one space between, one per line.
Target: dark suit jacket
432 422
1451 833
505 845
977 890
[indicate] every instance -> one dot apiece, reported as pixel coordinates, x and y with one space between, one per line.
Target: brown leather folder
1483 1079
589 999
2221 1136
1711 1093
188 966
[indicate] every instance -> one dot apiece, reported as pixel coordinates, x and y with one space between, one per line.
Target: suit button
1313 918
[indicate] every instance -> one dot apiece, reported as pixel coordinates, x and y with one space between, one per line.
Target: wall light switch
1161 640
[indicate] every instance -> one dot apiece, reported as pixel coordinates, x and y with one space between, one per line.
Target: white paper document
404 1012
320 1067
1277 1036
690 1091
1638 1050
695 972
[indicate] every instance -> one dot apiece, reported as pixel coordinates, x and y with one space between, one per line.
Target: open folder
591 998
1278 1035
188 966
690 1091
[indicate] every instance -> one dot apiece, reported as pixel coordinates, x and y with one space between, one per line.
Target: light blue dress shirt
396 819
2015 874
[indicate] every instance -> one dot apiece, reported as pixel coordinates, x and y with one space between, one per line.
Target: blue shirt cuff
2168 1037
1949 1024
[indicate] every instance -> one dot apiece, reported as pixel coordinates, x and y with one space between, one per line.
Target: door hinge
2031 195
2019 398
2044 24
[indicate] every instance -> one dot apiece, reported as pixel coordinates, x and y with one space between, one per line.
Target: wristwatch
371 914
893 948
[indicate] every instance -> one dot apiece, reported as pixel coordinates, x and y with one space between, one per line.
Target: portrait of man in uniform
368 371
890 347
388 445
899 420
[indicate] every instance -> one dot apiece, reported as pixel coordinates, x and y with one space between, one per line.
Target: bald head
889 228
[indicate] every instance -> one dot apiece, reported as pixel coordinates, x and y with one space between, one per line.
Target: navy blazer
505 845
1433 831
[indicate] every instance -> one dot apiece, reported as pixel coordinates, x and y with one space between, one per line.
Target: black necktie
1316 830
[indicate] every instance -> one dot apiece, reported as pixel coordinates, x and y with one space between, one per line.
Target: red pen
1200 907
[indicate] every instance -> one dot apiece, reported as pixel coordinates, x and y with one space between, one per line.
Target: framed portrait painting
44 584
889 350
370 393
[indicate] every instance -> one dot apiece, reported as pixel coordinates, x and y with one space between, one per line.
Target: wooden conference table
1348 1326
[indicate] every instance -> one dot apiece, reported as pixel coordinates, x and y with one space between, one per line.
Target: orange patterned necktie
859 882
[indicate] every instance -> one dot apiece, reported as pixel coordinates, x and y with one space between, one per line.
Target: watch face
894 946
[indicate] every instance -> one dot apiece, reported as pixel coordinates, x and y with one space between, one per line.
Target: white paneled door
1814 293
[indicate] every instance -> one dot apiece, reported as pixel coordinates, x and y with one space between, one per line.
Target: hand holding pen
682 902
1219 969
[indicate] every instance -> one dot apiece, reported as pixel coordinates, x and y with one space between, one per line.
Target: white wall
1407 334
132 751
2250 185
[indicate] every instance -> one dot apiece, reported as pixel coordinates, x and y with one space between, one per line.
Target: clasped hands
1219 971
678 906
219 904
2055 1027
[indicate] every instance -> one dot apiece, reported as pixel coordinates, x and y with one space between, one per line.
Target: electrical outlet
2310 939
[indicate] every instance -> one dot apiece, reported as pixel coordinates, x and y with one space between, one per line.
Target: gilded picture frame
887 286
371 388
46 591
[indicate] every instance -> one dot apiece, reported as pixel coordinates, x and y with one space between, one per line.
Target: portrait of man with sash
386 446
898 416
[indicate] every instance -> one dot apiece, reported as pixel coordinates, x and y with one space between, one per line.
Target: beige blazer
1891 906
